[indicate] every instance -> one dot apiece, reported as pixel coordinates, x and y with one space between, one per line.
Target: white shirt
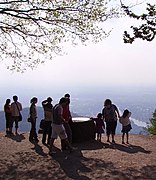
125 121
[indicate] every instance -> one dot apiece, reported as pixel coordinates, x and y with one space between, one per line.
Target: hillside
20 159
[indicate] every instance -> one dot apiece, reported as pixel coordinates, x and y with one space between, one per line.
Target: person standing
16 107
8 117
33 117
67 120
110 113
99 126
48 117
126 125
58 127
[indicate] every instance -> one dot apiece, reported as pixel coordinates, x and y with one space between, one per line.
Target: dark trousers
69 135
15 119
9 121
111 127
47 131
33 134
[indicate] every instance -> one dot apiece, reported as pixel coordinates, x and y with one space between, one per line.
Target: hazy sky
110 62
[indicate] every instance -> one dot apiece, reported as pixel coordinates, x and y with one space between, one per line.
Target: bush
152 127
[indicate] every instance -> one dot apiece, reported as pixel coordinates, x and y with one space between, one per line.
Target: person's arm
116 109
20 106
103 117
129 115
60 114
70 117
33 113
44 102
94 119
103 124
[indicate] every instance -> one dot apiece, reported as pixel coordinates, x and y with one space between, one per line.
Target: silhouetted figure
8 117
67 120
110 112
57 125
16 107
99 126
126 125
48 117
33 117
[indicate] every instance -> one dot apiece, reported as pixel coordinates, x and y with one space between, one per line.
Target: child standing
99 126
126 125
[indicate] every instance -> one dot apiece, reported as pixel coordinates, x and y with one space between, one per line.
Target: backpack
109 113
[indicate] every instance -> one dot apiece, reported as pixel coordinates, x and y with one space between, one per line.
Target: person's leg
13 121
113 130
63 145
100 137
16 125
31 132
108 131
10 124
34 132
127 138
69 135
7 125
113 141
51 143
97 136
49 132
123 138
63 136
51 151
67 144
45 128
53 137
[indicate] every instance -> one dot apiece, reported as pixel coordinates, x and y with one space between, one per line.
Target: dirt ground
22 160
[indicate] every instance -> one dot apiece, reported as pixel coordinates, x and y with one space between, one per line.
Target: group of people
110 114
12 114
57 120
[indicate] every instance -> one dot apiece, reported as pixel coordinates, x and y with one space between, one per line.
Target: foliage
147 30
32 31
152 127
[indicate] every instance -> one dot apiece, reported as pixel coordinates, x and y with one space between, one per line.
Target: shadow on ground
36 164
17 137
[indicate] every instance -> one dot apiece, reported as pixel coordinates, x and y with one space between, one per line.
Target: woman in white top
126 124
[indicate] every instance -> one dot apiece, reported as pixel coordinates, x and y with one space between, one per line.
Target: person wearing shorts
16 107
110 115
57 125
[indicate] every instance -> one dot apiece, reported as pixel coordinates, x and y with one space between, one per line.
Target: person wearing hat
48 117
